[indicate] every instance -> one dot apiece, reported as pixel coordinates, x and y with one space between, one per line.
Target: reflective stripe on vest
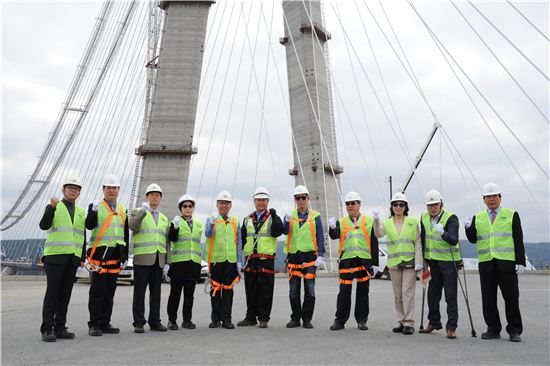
265 243
114 233
151 237
355 238
401 246
302 238
188 246
66 236
436 248
495 240
222 246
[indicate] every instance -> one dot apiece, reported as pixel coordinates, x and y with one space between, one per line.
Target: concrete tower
308 88
169 145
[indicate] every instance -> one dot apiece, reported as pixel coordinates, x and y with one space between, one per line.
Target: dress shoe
362 326
263 324
215 324
159 327
490 335
139 329
398 329
451 334
307 324
95 332
293 324
408 330
514 337
246 323
49 337
337 326
228 325
173 325
430 328
109 329
188 324
64 334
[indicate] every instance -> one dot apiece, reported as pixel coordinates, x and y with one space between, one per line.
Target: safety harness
254 255
214 285
343 235
297 269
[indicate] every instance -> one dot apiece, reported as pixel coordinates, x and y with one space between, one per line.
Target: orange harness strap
234 224
347 229
311 227
216 286
353 270
260 255
296 270
106 224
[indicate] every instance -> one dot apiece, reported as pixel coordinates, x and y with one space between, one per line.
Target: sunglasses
352 203
300 198
187 206
399 204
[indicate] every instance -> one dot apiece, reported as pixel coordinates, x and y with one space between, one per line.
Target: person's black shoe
228 325
293 324
158 327
95 332
307 324
398 329
109 329
337 326
139 329
490 335
246 323
188 324
215 324
263 324
49 337
64 334
362 326
515 337
173 325
408 330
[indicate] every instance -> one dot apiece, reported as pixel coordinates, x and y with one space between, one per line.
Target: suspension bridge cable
528 21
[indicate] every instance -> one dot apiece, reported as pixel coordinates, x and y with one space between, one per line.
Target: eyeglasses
399 204
225 203
72 188
352 203
300 198
187 206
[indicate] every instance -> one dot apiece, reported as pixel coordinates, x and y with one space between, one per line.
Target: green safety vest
114 234
355 238
401 246
436 248
66 236
302 238
222 246
495 240
265 243
188 246
151 237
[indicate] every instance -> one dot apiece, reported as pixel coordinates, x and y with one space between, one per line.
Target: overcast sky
42 42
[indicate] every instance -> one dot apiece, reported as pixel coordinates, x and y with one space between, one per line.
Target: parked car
125 275
383 263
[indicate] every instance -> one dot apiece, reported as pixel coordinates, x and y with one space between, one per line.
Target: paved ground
21 345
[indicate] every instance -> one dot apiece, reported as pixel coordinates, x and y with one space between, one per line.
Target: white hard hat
153 187
72 180
186 197
111 180
433 196
300 190
399 197
224 196
491 188
353 196
261 192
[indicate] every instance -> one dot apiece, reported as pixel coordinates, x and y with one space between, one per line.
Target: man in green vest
64 251
501 256
357 255
261 229
150 248
224 257
107 254
439 236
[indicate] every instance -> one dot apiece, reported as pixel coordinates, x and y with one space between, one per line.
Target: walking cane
464 293
425 279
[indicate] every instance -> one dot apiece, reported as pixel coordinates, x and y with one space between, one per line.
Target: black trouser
147 276
343 302
102 293
223 273
443 277
176 287
508 283
305 311
60 279
259 280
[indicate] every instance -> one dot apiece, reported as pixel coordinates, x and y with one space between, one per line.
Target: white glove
520 268
375 270
418 267
320 262
213 217
145 206
95 205
439 229
287 217
166 269
177 221
376 214
124 264
239 267
332 223
467 222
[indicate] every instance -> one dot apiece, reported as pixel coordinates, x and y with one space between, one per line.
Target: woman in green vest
185 267
404 258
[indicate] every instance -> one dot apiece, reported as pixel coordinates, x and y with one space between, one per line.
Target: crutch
425 279
464 293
